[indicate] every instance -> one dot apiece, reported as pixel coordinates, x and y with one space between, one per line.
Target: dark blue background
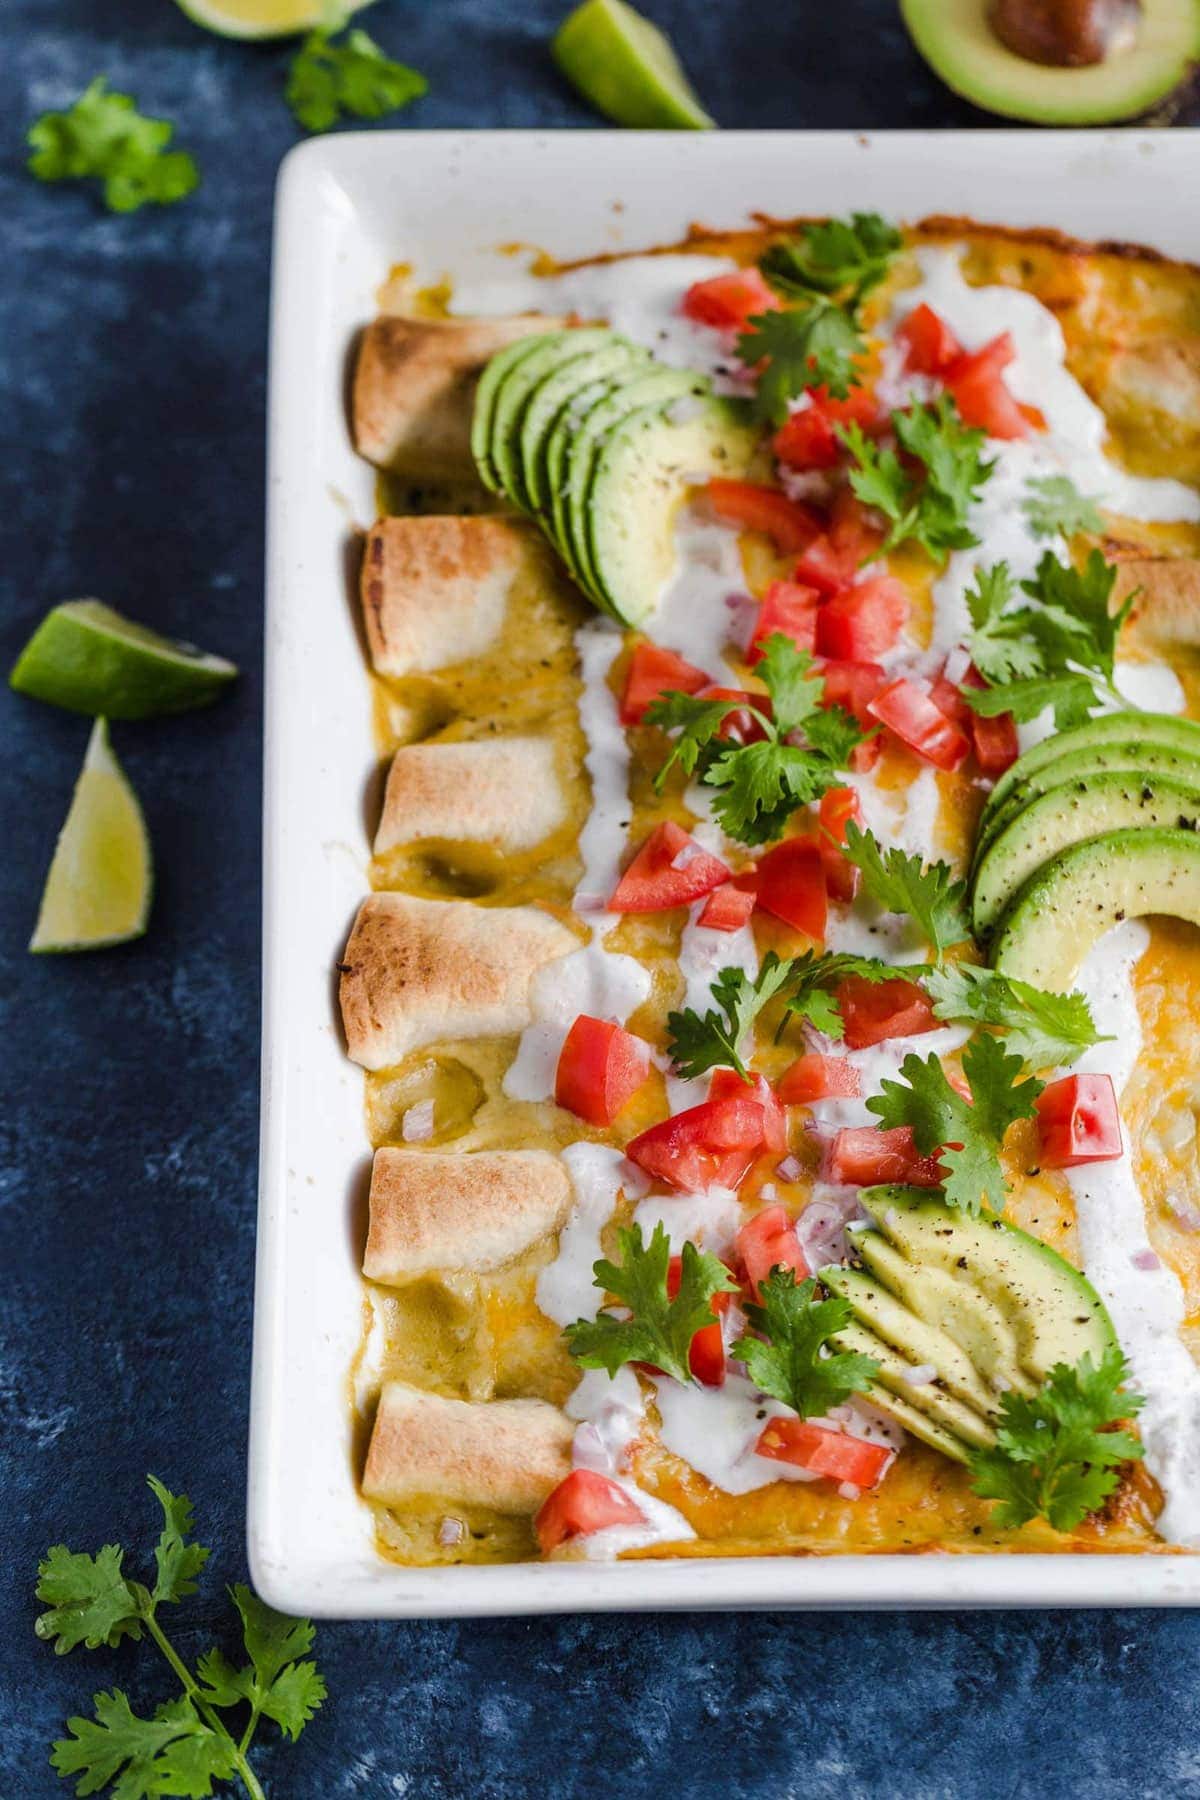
131 417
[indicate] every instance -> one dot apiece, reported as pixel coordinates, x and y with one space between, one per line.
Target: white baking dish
348 208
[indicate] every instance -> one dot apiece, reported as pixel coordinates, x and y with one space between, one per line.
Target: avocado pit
1066 34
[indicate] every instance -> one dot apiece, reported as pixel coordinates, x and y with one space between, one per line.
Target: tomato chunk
728 907
727 1084
977 382
808 440
838 807
862 1156
767 509
670 869
1079 1122
859 407
706 1352
600 1069
996 743
729 302
791 886
768 1241
853 686
740 727
912 716
930 347
873 1011
582 1503
834 1454
816 1077
710 1145
825 567
861 623
652 673
790 608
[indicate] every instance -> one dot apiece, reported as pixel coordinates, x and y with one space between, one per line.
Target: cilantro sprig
1056 1455
185 1745
103 137
659 1330
843 257
898 882
1045 1030
1054 506
760 785
328 80
927 496
790 1359
967 1134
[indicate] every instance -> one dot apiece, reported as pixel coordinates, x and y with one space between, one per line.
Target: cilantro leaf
1054 505
89 1598
1001 643
797 1326
812 976
1072 697
276 1683
659 1331
848 257
900 883
174 1752
792 681
104 137
699 1044
928 505
327 80
178 1561
817 345
966 1134
759 786
1082 630
1044 1030
1055 1455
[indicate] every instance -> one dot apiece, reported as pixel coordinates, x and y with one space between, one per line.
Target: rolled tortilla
435 588
472 1211
414 389
1167 610
504 1454
420 971
500 791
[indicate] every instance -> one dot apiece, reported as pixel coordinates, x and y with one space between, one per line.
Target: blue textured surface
131 412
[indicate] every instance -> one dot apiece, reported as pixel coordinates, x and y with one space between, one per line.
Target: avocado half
958 43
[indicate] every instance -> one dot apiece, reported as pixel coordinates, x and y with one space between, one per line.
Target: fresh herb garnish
185 1745
815 345
1054 505
927 892
659 1331
791 1365
104 137
328 80
1055 1455
760 785
966 1134
930 504
1045 1030
845 258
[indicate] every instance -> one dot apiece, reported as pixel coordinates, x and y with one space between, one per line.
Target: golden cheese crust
414 389
501 791
504 1454
435 589
476 1211
420 971
1167 607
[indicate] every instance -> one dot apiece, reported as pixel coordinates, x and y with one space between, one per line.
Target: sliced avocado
921 1425
494 373
1066 815
884 1312
959 44
513 394
555 394
1070 903
1151 760
646 466
921 1407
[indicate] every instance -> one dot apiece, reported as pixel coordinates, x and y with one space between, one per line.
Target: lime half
269 18
101 880
626 68
86 657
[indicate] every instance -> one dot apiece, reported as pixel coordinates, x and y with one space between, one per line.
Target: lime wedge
626 68
86 657
101 880
268 18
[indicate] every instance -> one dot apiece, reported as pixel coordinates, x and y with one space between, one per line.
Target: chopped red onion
1145 1259
821 1228
957 664
686 854
451 1532
848 1491
589 903
790 1169
1186 1215
921 1374
416 1127
743 616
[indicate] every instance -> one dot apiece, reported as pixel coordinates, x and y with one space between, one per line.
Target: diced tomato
1079 1122
854 529
948 699
838 807
710 1145
917 722
815 1077
728 907
582 1503
600 1069
757 508
740 727
976 380
706 1353
653 672
996 743
787 607
862 622
859 407
1032 415
728 302
791 886
670 869
853 686
866 1157
834 1454
768 1241
808 440
930 347
727 1084
873 1011
824 567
